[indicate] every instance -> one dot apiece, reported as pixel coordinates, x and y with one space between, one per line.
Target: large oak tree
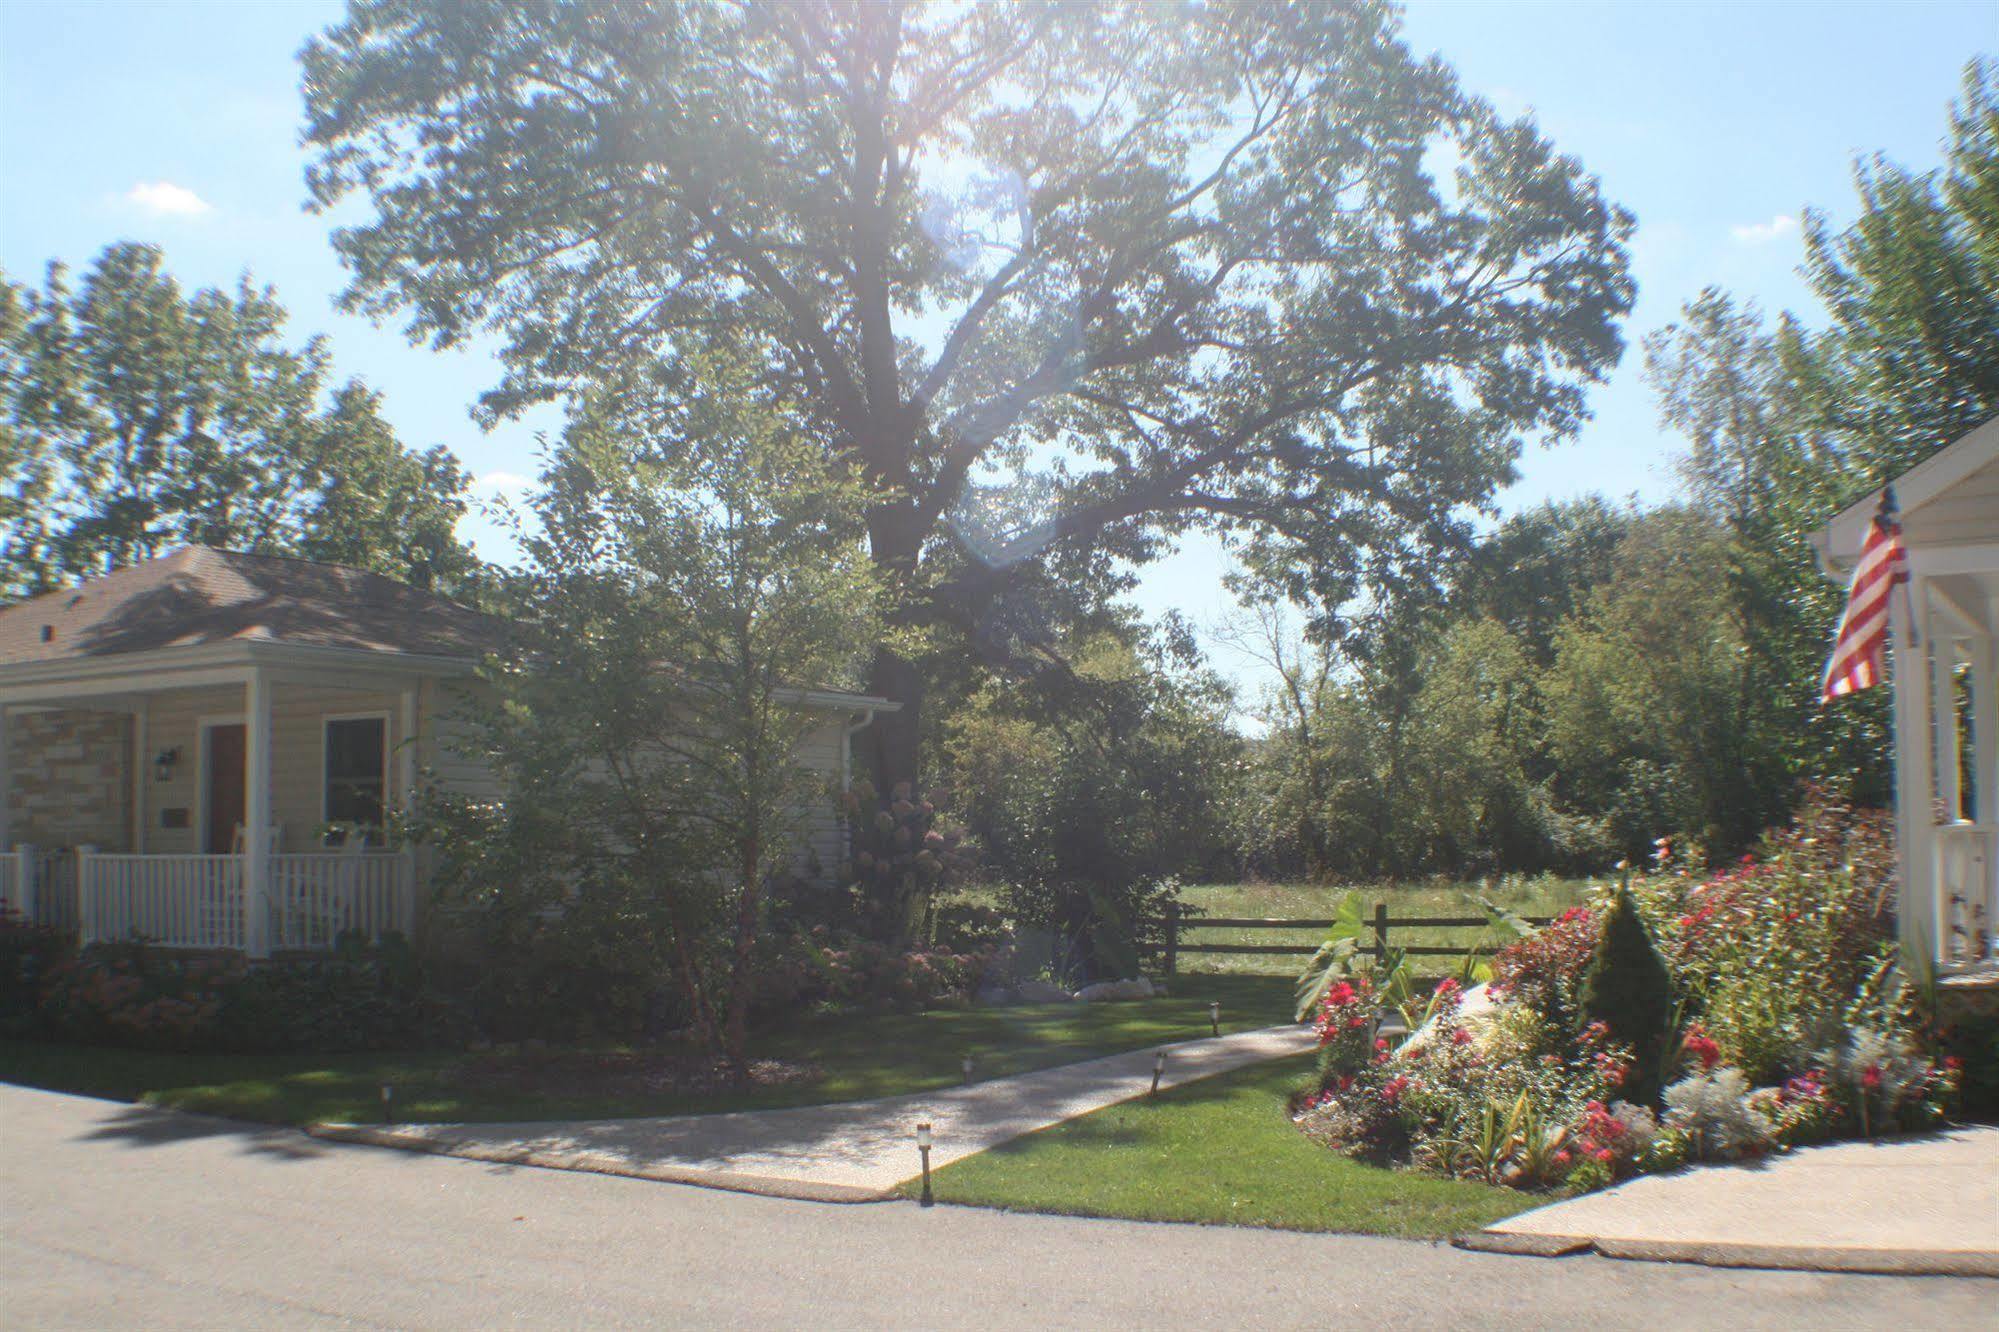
1061 281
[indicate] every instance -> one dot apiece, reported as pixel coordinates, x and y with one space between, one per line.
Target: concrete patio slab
857 1152
1923 1205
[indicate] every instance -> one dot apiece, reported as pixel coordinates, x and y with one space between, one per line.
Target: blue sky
1717 124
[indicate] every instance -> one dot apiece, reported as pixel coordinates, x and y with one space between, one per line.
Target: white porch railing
1967 885
198 901
174 901
318 896
40 885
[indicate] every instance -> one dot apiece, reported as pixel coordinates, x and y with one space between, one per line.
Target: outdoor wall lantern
164 765
923 1147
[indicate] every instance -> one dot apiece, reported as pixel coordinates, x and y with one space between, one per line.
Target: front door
224 796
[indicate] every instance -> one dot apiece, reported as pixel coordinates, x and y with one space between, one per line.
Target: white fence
200 901
1967 868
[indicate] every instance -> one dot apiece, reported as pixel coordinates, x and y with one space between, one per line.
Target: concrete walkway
857 1152
1925 1205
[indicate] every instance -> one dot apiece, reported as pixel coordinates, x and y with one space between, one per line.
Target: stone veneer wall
68 782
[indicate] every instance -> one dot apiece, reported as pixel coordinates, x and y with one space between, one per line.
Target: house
150 716
1944 637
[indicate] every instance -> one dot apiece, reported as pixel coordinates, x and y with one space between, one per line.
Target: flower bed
1680 1017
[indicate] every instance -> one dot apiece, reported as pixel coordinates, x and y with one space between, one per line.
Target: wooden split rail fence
1382 925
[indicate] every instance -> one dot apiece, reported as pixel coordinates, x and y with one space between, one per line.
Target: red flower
1870 1077
1702 1046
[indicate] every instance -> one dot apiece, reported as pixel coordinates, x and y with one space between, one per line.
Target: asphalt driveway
116 1216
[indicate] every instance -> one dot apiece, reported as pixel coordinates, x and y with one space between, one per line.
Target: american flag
1859 650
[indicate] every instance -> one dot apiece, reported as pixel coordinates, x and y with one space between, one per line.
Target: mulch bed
625 1074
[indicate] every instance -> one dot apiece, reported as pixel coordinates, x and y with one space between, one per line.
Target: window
357 770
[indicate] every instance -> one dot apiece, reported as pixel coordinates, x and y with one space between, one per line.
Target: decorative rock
1041 992
1107 991
995 996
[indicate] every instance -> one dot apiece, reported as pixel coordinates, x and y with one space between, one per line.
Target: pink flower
1870 1077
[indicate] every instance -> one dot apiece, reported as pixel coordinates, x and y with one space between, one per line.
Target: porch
1944 676
127 805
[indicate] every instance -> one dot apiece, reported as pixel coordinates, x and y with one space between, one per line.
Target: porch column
256 814
1916 913
1985 726
1943 721
6 786
139 767
406 748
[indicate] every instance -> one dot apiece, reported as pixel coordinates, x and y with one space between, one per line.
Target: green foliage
1088 790
1777 948
647 719
1629 990
134 418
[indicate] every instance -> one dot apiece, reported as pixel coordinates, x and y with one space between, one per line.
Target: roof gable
1839 541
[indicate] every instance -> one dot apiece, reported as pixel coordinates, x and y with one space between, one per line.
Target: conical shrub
1629 990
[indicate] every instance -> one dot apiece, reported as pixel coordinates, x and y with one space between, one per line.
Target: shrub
868 974
359 998
1883 1085
28 953
1774 948
1713 1111
1628 989
1345 1026
1545 969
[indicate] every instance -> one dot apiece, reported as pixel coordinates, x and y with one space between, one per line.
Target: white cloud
1762 233
500 484
163 198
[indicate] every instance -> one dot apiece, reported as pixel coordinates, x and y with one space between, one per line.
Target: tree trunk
890 744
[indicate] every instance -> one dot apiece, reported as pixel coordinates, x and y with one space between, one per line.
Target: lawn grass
864 1056
1220 1151
1538 896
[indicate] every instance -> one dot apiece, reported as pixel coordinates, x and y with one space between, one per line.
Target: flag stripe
1859 648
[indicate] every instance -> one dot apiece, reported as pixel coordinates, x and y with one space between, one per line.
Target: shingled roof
195 596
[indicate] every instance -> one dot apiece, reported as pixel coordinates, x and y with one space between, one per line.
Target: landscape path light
388 1104
1215 1016
923 1148
1158 1067
967 1066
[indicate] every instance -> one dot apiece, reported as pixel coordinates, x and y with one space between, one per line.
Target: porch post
406 748
1943 722
256 813
6 785
1985 725
139 766
1916 913
24 881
